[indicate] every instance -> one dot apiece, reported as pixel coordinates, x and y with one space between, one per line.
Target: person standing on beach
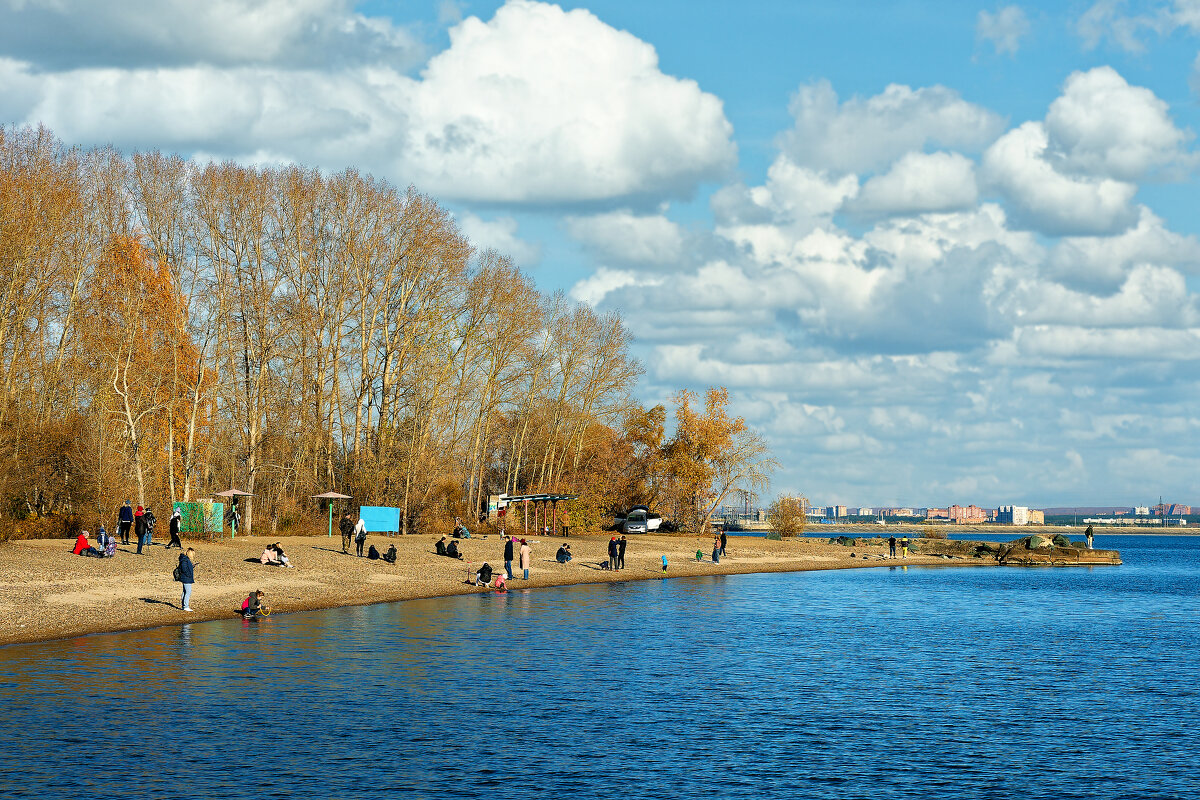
139 527
716 550
891 546
360 535
722 542
612 553
509 544
124 521
621 552
346 526
664 559
904 547
525 558
1088 535
187 576
176 518
148 521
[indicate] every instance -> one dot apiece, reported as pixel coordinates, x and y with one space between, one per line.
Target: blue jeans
187 596
508 569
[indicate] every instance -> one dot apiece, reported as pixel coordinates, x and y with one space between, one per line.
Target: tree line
170 329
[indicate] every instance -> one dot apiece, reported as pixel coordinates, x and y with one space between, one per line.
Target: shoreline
47 594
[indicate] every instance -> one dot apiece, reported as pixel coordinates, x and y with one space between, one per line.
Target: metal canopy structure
233 494
331 495
540 501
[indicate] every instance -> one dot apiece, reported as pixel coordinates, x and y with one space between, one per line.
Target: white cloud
64 34
536 105
1138 344
1101 263
862 135
1106 19
1102 126
919 183
593 289
1004 29
626 237
1046 200
500 234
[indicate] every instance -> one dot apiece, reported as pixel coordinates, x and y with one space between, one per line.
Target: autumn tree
711 455
787 516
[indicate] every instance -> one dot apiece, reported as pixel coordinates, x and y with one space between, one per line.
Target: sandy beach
47 593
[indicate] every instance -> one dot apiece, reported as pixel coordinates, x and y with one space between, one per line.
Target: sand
47 593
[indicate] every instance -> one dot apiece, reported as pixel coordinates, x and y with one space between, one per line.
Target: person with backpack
148 521
185 573
360 535
346 526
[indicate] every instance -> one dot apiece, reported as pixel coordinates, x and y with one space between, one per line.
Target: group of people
353 530
483 577
273 554
510 549
904 543
450 550
564 554
140 521
106 546
616 553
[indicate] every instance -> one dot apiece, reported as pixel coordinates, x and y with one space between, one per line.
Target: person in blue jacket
125 521
187 576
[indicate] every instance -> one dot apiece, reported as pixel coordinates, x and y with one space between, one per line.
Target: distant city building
835 512
1179 510
1037 517
1012 515
896 512
937 513
966 514
865 511
1141 511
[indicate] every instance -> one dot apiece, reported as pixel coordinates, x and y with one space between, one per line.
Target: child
664 565
254 606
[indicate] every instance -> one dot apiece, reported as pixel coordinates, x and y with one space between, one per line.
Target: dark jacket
126 514
186 569
139 526
612 547
346 526
621 547
508 550
175 527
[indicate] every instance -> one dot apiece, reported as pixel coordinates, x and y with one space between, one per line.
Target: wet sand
47 593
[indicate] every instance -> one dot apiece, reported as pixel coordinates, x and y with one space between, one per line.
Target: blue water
978 682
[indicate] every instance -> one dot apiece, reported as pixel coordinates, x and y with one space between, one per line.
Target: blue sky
938 252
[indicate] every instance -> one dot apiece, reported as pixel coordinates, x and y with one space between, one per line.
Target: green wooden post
330 519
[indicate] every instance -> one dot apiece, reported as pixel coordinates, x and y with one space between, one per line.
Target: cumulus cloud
1101 263
67 34
626 237
919 183
1004 29
1107 20
1100 125
862 135
500 234
1044 199
536 105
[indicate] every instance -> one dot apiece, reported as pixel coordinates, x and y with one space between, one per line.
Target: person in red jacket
81 544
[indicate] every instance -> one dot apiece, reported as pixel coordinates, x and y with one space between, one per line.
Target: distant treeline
170 329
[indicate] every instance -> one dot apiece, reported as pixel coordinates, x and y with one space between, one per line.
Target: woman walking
525 558
174 527
187 576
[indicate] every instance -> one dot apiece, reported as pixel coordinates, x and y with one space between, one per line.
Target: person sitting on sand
270 557
106 544
440 547
452 551
484 576
255 605
81 545
699 554
390 555
563 555
372 553
278 548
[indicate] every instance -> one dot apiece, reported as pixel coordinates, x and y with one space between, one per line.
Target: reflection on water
918 682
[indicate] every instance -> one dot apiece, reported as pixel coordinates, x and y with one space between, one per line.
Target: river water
884 683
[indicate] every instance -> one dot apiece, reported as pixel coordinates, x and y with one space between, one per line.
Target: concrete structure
1037 517
967 515
937 513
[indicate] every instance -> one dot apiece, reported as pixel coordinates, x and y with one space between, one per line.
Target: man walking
509 543
722 542
891 547
125 521
621 552
346 526
904 547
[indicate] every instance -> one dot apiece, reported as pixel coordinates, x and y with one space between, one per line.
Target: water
884 683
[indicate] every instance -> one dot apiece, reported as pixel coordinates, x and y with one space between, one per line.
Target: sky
939 252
